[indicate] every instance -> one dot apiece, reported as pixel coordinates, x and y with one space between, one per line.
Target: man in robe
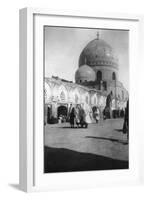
108 106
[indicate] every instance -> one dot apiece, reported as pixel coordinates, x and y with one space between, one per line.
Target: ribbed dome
98 53
85 73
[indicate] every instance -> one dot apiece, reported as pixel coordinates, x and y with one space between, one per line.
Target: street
100 146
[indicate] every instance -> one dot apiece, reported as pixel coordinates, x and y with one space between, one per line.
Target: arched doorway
94 108
96 113
48 114
122 93
62 112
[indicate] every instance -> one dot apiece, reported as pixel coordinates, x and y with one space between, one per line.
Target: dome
85 73
98 53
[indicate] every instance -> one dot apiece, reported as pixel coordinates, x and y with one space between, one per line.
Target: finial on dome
98 35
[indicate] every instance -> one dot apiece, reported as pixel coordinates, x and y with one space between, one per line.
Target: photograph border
27 141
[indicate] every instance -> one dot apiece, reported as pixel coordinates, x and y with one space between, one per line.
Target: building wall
58 93
106 72
63 93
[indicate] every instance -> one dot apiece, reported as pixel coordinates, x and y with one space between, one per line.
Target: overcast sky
63 47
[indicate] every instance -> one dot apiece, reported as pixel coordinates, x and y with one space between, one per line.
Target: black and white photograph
86 99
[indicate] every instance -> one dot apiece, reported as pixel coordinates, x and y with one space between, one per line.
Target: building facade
95 79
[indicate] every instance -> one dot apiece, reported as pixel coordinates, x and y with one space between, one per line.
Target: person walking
97 115
72 118
83 121
77 116
126 121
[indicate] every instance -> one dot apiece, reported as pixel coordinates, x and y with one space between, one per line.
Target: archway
94 108
96 113
48 114
76 96
62 111
47 92
122 94
62 92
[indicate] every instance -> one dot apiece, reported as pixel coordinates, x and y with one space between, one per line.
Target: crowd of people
81 117
77 117
117 113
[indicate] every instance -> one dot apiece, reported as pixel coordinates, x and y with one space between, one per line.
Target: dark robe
72 117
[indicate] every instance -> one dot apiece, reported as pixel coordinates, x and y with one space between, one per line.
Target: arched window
95 100
62 96
113 76
86 99
122 94
99 75
76 98
45 93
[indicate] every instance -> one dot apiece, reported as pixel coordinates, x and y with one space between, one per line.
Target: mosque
95 79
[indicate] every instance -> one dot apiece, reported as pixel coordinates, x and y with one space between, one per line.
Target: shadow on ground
119 130
68 127
109 139
65 160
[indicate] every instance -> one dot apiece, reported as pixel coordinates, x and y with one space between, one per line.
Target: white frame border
27 86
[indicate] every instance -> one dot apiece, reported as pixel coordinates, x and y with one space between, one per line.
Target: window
76 98
113 76
95 100
105 85
86 99
45 93
122 94
62 96
99 75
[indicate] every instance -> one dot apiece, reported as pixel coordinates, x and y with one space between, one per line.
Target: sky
63 46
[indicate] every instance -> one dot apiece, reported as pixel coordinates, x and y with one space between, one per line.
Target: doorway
62 112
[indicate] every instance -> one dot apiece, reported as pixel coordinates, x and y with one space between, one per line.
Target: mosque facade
95 79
